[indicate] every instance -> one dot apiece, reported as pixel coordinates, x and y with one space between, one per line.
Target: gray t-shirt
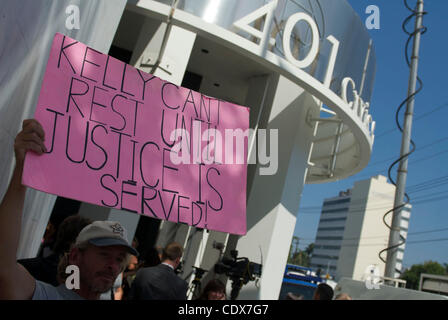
45 291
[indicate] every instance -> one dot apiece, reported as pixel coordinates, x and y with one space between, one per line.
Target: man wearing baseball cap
100 253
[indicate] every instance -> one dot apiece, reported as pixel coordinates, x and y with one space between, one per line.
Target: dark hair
214 285
151 258
324 292
172 251
136 242
68 231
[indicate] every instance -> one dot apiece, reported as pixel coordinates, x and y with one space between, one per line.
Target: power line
362 208
428 181
411 162
378 237
428 157
384 133
430 240
380 244
428 231
429 185
418 150
416 188
432 194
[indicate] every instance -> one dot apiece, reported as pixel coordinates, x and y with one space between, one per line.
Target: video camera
239 270
180 268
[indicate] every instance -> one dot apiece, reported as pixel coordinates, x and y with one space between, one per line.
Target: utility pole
394 237
295 244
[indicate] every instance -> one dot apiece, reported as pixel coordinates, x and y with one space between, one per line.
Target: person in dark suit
161 282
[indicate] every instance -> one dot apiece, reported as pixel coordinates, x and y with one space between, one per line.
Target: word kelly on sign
110 131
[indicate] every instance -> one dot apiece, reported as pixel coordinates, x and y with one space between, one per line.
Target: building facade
330 233
305 69
404 227
351 231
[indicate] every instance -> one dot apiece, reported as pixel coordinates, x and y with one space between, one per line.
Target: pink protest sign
125 139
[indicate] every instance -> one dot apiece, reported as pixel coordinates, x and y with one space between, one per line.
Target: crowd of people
106 265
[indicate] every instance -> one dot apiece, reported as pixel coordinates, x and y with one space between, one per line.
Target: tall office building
351 230
330 232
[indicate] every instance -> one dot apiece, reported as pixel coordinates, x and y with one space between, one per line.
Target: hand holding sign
30 138
112 132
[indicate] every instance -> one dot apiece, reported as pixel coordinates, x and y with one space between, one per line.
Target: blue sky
428 131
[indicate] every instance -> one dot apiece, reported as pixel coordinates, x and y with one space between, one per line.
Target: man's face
133 263
100 266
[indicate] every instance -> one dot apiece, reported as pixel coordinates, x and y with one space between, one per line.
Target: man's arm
15 281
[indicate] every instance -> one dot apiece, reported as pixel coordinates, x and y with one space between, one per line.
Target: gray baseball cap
106 233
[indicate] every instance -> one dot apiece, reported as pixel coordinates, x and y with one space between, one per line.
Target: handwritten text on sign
111 129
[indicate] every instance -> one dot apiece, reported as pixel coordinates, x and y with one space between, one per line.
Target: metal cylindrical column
394 237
